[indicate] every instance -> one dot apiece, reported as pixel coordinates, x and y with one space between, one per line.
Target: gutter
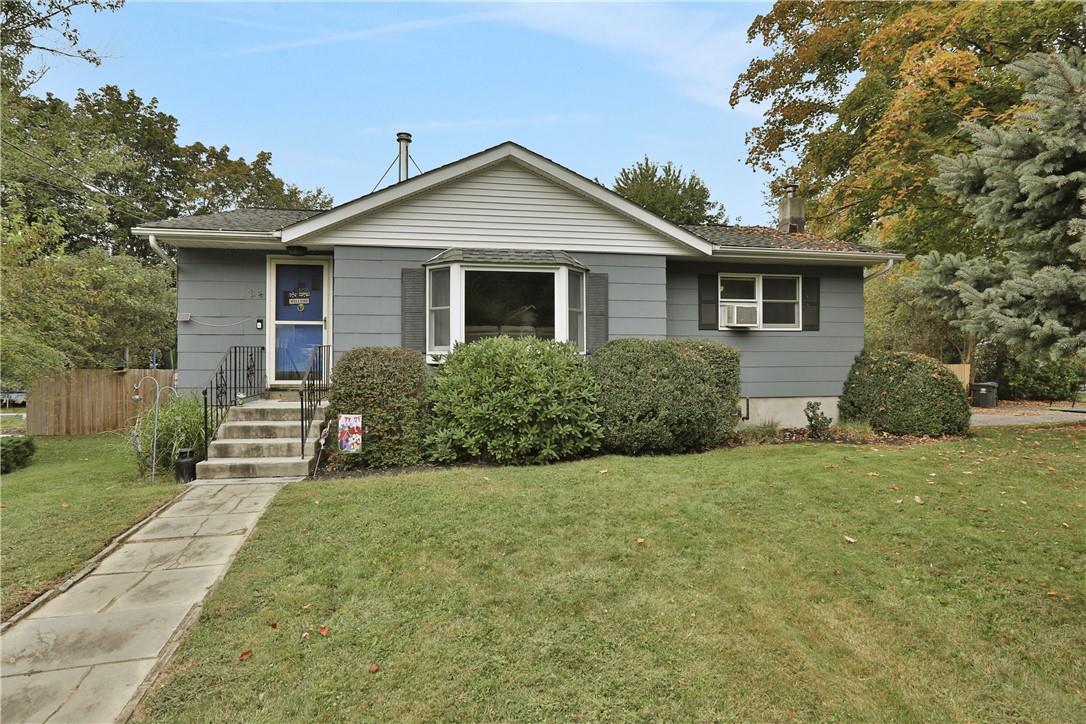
876 275
152 231
740 252
160 251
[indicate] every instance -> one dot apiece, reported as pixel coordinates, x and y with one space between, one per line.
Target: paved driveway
83 655
1022 415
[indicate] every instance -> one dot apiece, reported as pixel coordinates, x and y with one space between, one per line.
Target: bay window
760 301
467 302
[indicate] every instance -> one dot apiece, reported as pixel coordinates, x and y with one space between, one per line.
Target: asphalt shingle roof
534 257
236 220
762 237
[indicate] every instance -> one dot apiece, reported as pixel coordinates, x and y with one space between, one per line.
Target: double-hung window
468 302
760 301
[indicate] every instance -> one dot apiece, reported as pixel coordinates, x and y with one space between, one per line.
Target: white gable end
505 205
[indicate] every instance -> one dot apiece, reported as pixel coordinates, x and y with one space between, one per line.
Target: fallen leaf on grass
1053 594
305 635
324 630
603 472
375 667
307 606
275 626
874 475
246 655
918 499
640 541
849 539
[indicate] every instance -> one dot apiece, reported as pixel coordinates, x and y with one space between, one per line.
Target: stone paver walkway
81 656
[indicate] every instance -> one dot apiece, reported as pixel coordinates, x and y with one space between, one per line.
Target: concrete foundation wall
785 411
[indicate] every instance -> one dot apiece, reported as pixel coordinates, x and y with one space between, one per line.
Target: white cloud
694 49
407 26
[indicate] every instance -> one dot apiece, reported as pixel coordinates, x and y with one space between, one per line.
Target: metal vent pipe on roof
404 139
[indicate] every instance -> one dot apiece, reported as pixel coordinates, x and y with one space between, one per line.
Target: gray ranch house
506 241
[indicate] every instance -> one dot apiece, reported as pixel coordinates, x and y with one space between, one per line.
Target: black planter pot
184 467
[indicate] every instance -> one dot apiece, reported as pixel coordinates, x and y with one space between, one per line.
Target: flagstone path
82 656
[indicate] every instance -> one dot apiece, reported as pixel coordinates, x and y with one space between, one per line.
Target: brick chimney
792 217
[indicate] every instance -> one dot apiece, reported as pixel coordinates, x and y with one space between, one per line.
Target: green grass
12 424
76 495
692 588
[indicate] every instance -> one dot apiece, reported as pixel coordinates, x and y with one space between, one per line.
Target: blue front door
300 316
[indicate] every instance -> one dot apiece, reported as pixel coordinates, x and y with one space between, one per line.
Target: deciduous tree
862 95
665 191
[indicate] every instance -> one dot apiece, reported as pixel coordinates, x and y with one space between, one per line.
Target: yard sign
350 433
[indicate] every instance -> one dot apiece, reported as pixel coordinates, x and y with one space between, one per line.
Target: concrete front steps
262 439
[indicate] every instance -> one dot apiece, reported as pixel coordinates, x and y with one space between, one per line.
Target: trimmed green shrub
506 400
904 394
16 451
666 396
387 386
180 425
723 362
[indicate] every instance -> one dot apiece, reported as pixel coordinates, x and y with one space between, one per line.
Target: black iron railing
316 382
240 377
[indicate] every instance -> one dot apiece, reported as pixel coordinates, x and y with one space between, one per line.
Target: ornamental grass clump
513 401
904 394
180 425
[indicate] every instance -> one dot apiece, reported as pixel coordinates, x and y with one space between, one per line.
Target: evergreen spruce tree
1024 181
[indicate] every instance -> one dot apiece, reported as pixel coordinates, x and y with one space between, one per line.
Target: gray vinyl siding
504 206
366 287
367 293
781 364
637 293
223 290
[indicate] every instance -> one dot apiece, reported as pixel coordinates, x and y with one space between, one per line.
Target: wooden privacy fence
962 373
82 402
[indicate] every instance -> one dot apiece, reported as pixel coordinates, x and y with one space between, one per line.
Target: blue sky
325 86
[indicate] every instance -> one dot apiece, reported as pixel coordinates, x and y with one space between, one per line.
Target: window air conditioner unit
740 315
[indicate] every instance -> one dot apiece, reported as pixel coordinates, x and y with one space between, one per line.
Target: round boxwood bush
387 386
506 400
904 394
666 396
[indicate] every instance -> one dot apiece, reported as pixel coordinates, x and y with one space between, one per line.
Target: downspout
160 251
876 275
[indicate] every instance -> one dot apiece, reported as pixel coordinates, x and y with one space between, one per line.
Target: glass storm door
300 315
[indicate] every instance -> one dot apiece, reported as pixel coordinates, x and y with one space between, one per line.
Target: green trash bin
985 394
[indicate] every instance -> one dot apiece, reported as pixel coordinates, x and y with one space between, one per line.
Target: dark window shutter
413 309
708 301
811 295
596 311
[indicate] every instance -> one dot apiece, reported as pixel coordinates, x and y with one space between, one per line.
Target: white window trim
457 303
758 300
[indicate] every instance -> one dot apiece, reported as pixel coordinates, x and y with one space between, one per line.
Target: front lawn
932 582
77 494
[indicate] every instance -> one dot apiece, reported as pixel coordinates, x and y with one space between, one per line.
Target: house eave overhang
167 233
791 256
217 238
557 173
